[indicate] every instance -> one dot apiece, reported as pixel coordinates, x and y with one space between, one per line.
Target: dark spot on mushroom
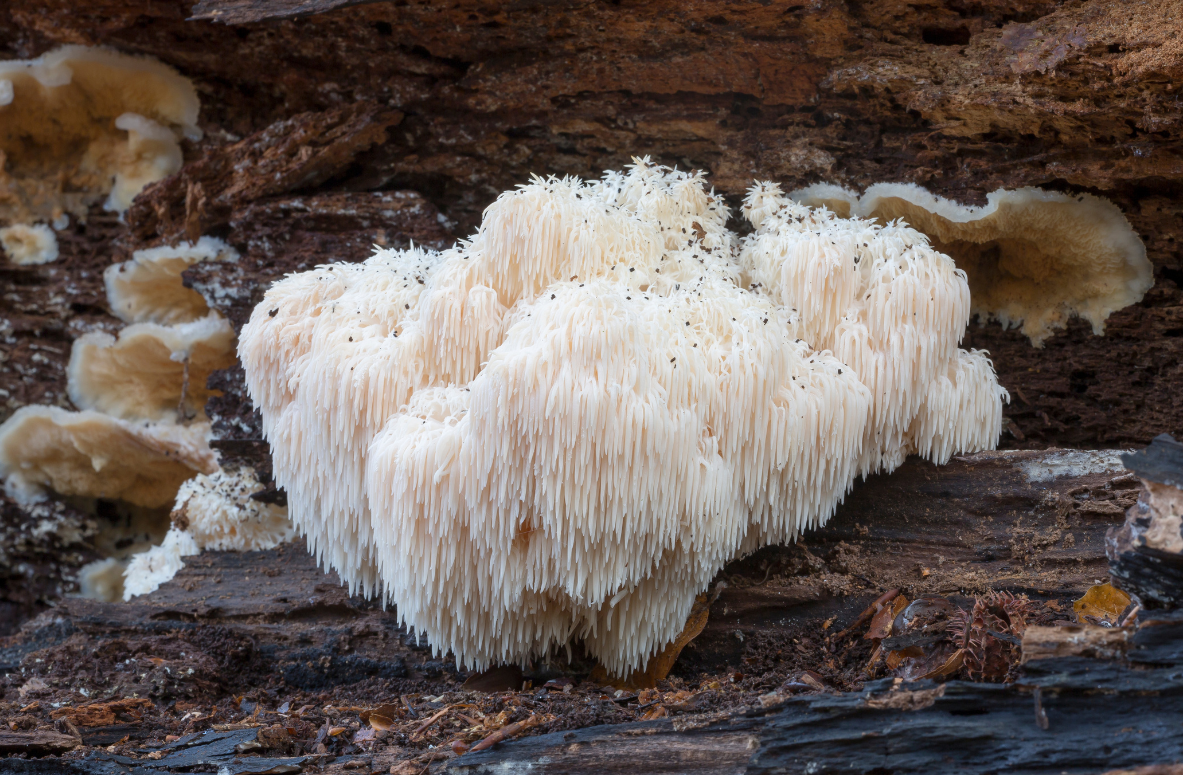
273 313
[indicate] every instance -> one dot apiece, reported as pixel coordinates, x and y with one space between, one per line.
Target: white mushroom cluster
566 426
213 512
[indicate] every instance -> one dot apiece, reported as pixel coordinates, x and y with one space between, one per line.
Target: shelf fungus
151 371
80 125
26 245
149 289
563 428
92 455
1033 258
215 513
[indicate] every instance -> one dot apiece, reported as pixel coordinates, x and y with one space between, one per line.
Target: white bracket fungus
150 372
1033 258
78 124
213 513
565 427
90 454
148 288
26 244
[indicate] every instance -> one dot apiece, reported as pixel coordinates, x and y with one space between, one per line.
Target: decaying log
1048 722
41 742
995 520
1031 522
296 154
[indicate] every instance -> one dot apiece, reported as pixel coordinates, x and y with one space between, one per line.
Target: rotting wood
905 728
40 742
247 11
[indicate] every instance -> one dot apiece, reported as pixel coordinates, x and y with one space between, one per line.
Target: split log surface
1051 721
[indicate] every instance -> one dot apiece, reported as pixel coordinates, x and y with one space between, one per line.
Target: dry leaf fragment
423 727
868 612
385 715
881 622
507 732
1102 604
951 666
380 722
506 678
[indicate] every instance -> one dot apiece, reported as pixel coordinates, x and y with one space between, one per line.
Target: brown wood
40 742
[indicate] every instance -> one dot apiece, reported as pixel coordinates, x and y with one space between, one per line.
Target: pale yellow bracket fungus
213 513
150 372
92 455
565 427
27 245
837 199
1033 258
102 580
148 288
79 124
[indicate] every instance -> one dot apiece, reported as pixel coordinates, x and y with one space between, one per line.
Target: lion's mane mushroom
566 426
212 512
1033 258
25 244
149 289
92 455
150 372
78 124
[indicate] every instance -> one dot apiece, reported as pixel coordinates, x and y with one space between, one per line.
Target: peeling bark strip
292 155
247 11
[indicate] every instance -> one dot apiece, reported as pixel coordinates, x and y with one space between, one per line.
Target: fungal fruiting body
1033 258
79 124
150 372
149 289
565 427
25 244
212 512
93 455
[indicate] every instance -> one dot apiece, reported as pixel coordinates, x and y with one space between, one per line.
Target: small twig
504 733
430 721
1131 617
409 708
870 611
